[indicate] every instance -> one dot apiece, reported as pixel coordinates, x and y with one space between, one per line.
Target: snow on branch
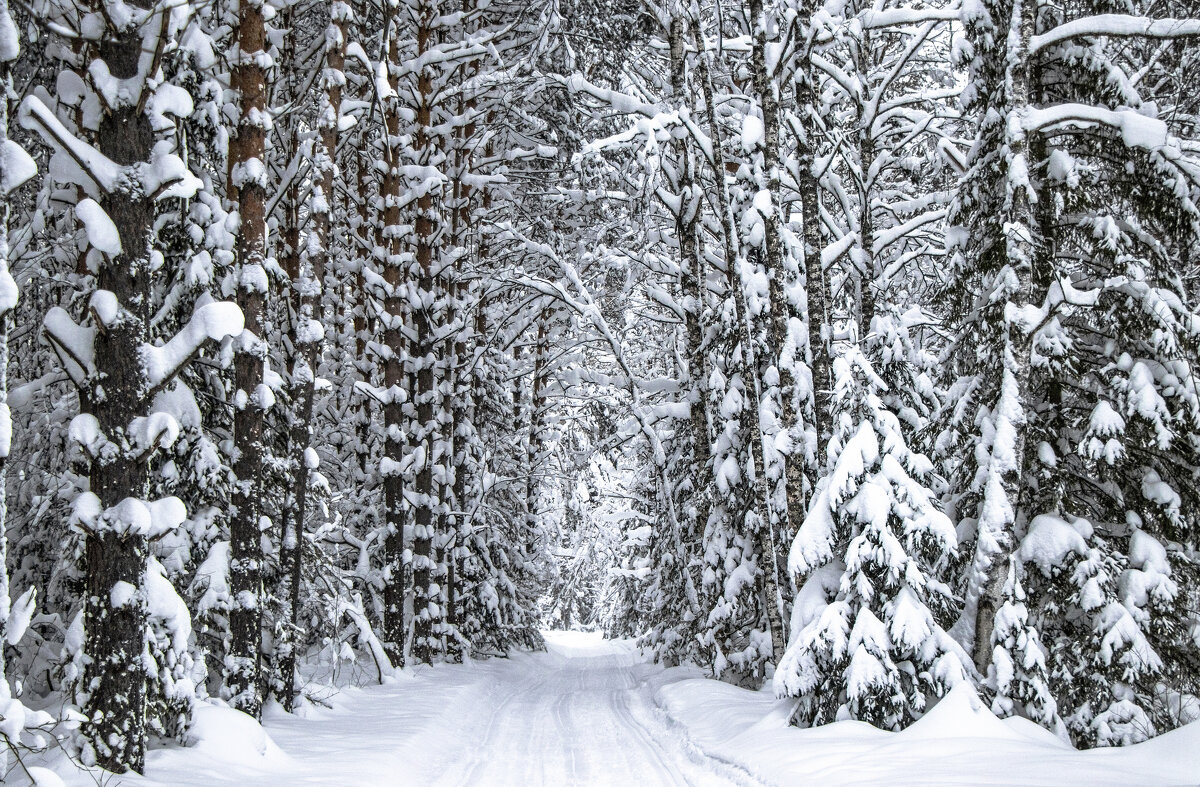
101 232
212 321
889 236
1116 25
149 518
897 17
620 102
16 166
37 117
834 250
73 343
1137 130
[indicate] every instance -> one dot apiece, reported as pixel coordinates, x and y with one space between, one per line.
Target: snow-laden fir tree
1071 408
868 637
15 614
109 354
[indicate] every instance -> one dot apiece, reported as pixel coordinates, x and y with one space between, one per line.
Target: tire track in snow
582 717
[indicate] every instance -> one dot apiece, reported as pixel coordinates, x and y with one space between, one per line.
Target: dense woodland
846 345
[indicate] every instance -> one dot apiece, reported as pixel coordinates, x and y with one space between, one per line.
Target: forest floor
593 712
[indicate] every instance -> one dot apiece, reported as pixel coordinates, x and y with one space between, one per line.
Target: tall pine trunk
426 608
247 187
388 245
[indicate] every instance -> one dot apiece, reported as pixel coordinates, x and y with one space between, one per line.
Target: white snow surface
101 232
959 741
594 712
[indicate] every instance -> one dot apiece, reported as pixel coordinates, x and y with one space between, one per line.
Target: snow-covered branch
1116 26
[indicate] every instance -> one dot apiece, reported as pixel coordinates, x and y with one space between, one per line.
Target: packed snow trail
582 713
587 718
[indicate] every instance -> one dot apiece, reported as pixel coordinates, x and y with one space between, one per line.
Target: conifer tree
115 368
868 640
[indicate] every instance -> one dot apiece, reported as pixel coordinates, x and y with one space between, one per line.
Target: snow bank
231 737
583 712
959 741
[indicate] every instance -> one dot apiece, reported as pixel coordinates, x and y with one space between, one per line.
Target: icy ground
592 712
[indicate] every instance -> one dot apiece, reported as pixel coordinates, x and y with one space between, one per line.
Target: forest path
585 715
582 713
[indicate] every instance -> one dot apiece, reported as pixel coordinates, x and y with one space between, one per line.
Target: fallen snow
959 741
594 712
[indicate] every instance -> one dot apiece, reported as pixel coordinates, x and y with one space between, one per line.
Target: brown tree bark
427 318
247 151
395 311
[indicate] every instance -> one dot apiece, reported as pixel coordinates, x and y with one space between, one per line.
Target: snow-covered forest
837 349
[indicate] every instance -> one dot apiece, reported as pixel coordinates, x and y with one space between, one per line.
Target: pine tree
18 168
114 367
1057 336
868 639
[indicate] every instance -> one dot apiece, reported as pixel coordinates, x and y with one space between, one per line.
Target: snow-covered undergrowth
959 741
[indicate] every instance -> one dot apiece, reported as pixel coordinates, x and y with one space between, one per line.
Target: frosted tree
1057 255
117 371
868 640
889 86
1018 677
17 168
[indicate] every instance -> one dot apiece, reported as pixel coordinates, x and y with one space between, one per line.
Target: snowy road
587 718
582 713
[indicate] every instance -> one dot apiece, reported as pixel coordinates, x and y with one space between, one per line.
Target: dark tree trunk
426 608
394 314
245 535
115 609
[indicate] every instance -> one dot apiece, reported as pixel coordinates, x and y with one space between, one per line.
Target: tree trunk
115 609
282 682
247 184
388 248
692 283
426 609
785 482
866 219
1017 230
537 410
765 537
